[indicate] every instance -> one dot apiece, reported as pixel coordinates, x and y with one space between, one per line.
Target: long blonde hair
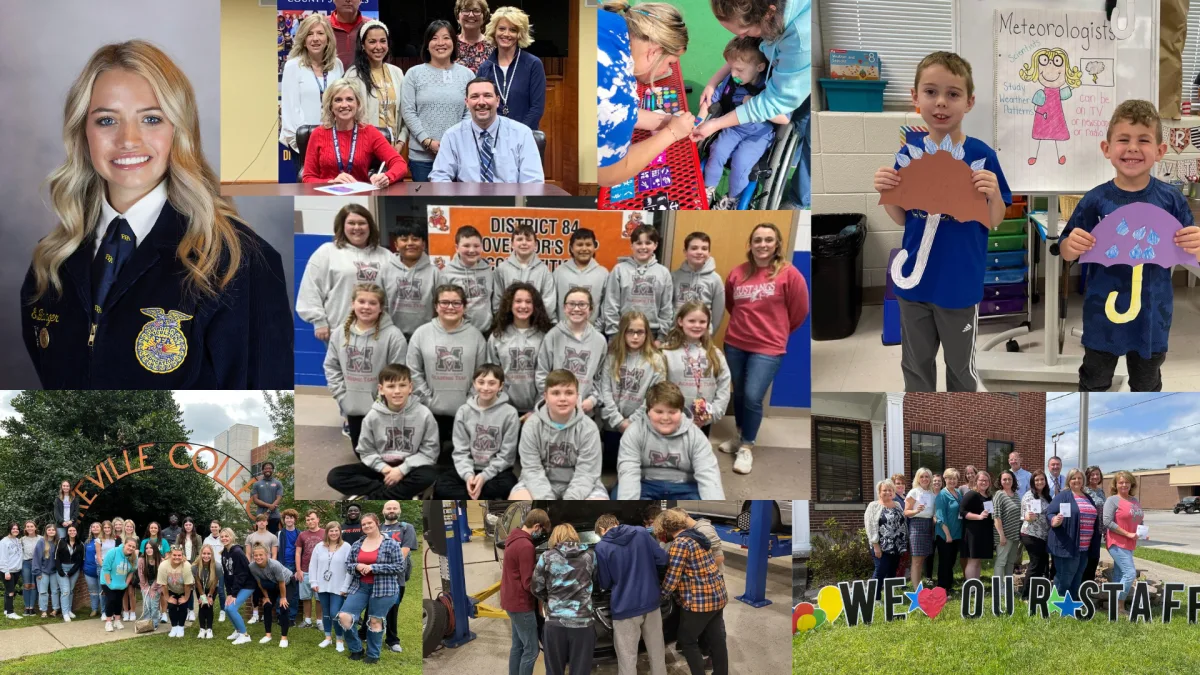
655 22
676 338
366 288
211 249
618 351
1030 71
211 566
777 261
300 49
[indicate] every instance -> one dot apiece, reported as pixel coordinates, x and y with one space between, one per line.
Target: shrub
838 555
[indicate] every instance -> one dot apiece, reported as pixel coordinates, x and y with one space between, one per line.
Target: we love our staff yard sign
856 601
181 456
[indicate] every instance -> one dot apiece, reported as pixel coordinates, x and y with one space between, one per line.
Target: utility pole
1083 430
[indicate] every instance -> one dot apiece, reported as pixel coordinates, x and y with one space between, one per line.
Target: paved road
1173 532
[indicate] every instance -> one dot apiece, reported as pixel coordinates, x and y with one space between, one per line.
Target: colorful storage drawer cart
1006 278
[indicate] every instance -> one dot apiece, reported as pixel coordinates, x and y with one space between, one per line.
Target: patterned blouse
472 55
893 529
1038 528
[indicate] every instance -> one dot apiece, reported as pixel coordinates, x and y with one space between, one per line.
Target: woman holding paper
1123 520
918 508
886 531
976 509
949 529
1034 527
1075 527
1094 479
344 149
1008 524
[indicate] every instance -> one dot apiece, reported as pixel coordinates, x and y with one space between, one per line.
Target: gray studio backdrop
46 45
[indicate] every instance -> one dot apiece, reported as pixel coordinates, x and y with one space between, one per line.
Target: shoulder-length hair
618 351
360 115
563 532
211 248
300 50
519 20
339 225
430 31
504 318
1045 493
676 338
778 261
1127 476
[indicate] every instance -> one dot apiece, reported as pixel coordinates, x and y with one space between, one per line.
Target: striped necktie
119 243
486 160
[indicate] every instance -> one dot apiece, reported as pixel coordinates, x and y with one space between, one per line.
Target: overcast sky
206 413
1121 428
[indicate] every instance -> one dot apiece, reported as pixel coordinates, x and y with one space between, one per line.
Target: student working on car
628 561
516 596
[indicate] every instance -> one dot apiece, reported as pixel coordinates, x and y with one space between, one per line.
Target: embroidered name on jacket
576 361
486 443
367 272
754 293
161 346
561 454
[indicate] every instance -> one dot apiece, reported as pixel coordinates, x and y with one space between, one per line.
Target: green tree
281 410
63 435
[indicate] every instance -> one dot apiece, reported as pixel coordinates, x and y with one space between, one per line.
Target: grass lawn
26 621
1182 561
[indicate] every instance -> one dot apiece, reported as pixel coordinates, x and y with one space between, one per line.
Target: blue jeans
235 616
377 608
1124 569
420 170
47 587
662 489
293 606
745 144
524 651
885 568
331 604
66 588
1068 573
94 591
752 374
29 595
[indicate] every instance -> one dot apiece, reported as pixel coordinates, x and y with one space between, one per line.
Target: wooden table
519 191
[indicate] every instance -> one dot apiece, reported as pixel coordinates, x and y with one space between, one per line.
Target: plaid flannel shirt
387 569
694 572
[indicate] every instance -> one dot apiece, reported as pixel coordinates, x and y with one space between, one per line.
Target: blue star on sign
912 598
1068 606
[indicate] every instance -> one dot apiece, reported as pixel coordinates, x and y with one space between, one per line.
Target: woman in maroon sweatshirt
767 300
516 596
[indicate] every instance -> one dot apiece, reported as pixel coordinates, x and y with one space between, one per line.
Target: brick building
259 455
860 439
1161 489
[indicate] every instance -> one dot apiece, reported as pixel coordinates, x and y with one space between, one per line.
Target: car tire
434 620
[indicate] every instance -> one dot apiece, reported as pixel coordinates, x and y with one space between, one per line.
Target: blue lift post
455 521
759 550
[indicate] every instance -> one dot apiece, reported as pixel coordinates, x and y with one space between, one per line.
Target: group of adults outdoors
1062 521
466 114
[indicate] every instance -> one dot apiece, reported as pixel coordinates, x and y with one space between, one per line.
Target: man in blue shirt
487 148
1023 476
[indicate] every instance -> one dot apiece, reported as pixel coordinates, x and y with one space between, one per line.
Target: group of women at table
350 108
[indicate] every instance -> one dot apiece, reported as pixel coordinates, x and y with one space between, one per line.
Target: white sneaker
103 617
397 648
120 626
325 643
730 446
233 636
341 646
222 617
201 635
191 615
283 642
208 634
308 623
107 626
253 618
744 460
242 639
66 618
264 640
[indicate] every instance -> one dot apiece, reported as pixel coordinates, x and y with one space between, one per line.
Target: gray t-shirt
267 540
268 491
274 573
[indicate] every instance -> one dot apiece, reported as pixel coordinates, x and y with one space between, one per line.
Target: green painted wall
706 41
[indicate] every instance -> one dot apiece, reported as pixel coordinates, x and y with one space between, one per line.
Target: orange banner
553 227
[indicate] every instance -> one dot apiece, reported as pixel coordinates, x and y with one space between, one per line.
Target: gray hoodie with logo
330 277
442 363
352 366
536 273
646 287
688 368
560 463
478 282
592 276
485 439
516 351
704 287
407 438
684 456
583 356
622 397
410 293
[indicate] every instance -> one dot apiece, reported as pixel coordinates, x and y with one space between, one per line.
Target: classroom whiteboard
1133 74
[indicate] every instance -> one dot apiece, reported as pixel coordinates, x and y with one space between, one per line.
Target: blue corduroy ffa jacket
154 334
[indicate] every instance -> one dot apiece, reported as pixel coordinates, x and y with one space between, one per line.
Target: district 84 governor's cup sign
855 601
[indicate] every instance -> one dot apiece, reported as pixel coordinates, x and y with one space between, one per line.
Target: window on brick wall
929 451
839 463
1191 54
997 458
255 469
902 31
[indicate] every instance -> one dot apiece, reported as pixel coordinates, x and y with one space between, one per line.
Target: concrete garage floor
781 459
758 639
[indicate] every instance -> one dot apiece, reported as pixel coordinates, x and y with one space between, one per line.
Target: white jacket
324 564
300 98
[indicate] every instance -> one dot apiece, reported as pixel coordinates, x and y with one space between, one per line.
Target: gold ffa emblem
161 346
44 338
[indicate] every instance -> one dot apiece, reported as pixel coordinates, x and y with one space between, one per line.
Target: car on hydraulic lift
738 511
1188 505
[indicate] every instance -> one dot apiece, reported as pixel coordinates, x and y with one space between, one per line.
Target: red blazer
320 163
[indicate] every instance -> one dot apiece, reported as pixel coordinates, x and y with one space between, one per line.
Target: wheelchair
768 177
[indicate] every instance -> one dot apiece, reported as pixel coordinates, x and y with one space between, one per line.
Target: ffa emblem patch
161 346
44 338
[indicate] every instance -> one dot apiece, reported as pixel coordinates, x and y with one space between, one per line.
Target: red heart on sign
931 601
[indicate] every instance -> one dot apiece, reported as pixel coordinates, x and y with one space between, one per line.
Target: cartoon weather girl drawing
1052 69
149 280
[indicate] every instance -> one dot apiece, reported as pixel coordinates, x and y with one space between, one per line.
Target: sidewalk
1154 570
51 637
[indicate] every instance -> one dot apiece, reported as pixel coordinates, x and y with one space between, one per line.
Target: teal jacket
117 568
946 511
791 75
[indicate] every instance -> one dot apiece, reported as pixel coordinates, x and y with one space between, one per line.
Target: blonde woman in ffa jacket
149 281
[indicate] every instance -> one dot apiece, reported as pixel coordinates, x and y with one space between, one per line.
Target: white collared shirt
141 216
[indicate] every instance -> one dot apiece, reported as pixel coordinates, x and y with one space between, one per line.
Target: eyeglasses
635 331
578 305
471 12
455 304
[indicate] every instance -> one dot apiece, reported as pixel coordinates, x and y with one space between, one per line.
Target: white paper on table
987 506
1035 507
1064 510
1143 531
347 188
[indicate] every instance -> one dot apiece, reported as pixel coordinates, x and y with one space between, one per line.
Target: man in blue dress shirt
487 148
1023 476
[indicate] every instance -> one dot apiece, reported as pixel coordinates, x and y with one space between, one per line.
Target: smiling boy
697 279
582 271
640 282
524 265
560 446
470 272
1133 145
